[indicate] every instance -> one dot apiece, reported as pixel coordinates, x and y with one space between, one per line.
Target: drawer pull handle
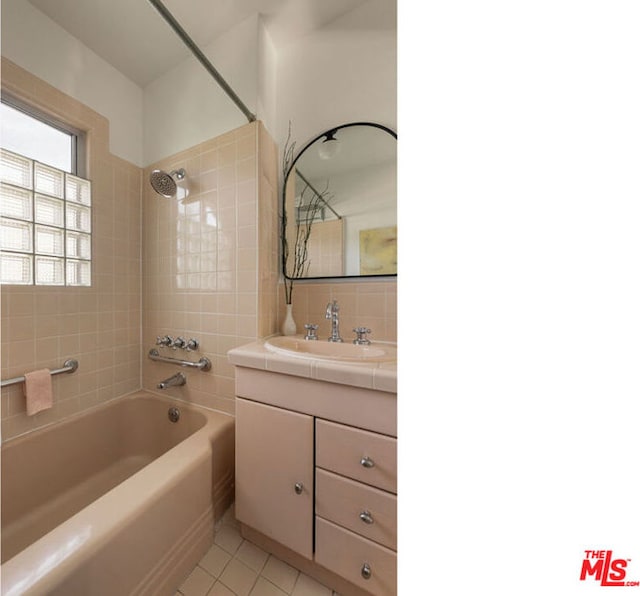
366 571
298 488
366 517
367 462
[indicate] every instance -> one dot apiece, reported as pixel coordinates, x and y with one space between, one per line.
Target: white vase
288 325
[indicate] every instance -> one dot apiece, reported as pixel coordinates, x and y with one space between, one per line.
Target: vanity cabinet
323 488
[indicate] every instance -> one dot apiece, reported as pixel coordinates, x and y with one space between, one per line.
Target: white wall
37 44
185 106
335 76
267 76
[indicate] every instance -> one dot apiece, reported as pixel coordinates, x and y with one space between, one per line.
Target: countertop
380 376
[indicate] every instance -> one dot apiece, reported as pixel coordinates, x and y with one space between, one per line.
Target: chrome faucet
332 313
176 380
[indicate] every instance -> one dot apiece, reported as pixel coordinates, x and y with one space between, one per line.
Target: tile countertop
380 376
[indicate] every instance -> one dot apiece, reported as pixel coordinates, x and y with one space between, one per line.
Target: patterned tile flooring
236 567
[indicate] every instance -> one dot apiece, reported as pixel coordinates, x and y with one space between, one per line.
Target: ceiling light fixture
330 146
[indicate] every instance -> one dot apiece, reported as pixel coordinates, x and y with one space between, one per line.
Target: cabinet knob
366 517
298 486
366 571
367 462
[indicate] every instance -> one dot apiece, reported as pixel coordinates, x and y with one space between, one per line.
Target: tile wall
369 303
326 249
203 275
99 326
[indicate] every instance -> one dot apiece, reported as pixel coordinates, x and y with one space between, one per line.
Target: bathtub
115 500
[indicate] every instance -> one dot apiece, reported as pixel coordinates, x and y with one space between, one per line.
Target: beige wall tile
209 276
49 325
364 303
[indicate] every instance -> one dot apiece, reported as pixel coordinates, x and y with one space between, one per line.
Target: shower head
165 184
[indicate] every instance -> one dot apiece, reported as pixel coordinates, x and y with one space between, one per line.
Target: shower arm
197 52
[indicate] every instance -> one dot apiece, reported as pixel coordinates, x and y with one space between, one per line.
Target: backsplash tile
366 303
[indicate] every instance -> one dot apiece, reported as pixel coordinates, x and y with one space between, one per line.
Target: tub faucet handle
167 340
192 345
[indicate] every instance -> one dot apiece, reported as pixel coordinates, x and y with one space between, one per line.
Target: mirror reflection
340 217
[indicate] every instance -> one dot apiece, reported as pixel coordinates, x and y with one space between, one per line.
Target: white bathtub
117 500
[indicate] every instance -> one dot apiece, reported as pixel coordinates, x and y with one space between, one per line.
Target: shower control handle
167 340
192 345
178 342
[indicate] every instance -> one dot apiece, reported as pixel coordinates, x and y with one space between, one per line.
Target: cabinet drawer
354 557
363 509
358 454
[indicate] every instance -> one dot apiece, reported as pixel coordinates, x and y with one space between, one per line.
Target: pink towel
38 390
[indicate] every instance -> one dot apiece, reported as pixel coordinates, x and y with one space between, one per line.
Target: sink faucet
332 313
176 380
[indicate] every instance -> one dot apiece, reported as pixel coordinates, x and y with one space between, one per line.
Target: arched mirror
339 205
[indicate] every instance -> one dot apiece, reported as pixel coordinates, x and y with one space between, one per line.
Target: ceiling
132 37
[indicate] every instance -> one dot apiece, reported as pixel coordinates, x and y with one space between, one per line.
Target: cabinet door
274 474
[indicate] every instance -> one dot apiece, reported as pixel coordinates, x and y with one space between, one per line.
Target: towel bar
69 366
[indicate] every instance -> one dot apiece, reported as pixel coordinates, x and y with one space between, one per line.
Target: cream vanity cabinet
316 474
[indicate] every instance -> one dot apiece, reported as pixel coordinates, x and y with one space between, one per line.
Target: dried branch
313 204
287 160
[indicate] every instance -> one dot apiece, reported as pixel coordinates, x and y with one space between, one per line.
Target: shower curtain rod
197 52
314 191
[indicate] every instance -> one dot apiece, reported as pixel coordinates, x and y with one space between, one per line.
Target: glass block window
45 224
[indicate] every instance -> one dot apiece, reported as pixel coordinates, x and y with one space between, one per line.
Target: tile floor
236 567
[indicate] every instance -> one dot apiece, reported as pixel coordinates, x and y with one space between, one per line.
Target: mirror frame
284 189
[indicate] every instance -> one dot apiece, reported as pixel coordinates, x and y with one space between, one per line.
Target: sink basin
297 346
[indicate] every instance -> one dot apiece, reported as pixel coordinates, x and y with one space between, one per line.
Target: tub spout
176 380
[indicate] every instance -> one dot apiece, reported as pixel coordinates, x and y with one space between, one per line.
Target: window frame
78 137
